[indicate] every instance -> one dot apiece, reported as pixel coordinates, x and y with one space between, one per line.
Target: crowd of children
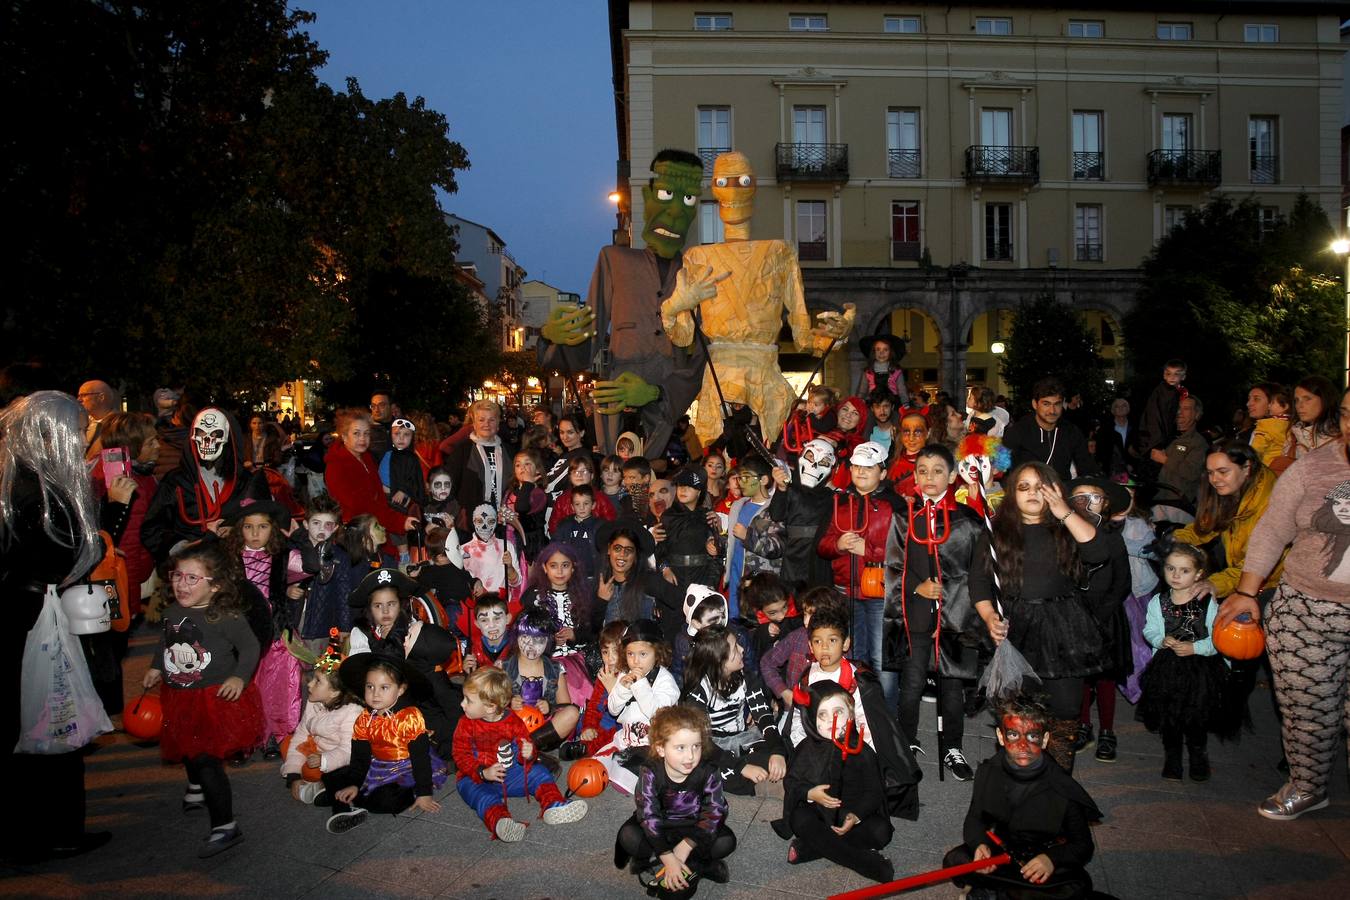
774 618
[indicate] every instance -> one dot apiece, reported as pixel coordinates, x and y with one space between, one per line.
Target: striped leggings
1308 641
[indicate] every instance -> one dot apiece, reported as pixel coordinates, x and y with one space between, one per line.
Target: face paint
734 187
484 521
210 433
532 646
669 204
440 488
1022 739
492 622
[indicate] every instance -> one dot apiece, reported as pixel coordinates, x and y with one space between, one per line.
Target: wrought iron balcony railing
905 250
1203 168
1089 165
1088 252
994 163
813 162
812 250
904 163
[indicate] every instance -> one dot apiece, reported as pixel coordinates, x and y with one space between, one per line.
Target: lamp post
1341 247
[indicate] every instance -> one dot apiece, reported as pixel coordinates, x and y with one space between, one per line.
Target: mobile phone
114 464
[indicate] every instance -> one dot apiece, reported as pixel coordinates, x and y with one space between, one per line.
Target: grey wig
41 432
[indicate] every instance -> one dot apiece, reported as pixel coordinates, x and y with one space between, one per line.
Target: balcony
904 163
1265 169
812 251
994 164
1088 166
906 251
813 162
1185 168
708 154
1088 252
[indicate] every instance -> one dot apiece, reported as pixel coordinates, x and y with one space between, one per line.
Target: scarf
492 468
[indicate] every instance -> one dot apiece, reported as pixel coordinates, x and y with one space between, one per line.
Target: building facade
485 253
938 164
538 301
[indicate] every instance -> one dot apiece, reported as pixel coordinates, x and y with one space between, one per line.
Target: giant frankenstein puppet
740 290
618 334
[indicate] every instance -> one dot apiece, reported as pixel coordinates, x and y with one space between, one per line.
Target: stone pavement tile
1149 810
1277 872
274 873
522 871
1140 863
1233 821
18 883
1335 823
420 860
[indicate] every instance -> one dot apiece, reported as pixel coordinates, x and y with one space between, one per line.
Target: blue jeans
867 619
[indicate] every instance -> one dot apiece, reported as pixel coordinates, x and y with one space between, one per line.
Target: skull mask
210 433
815 463
484 521
696 594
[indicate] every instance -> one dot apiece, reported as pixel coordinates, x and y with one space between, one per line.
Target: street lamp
1341 247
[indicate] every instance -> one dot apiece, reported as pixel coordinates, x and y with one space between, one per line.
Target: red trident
847 503
793 440
846 748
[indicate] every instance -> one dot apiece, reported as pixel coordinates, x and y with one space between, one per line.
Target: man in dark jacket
1042 436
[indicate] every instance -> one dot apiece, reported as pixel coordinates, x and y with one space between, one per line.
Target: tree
1239 305
1050 338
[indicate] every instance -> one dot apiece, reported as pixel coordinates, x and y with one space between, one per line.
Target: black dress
1186 693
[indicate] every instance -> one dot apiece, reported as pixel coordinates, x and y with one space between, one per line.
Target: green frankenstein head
670 200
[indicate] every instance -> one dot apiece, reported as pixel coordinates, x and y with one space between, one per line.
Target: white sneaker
309 790
510 830
565 812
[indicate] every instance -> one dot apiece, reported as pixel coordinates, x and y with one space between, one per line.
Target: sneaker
1172 766
563 813
1106 746
1288 803
220 840
510 830
1199 765
309 790
1083 738
193 799
717 871
955 761
571 751
343 822
272 750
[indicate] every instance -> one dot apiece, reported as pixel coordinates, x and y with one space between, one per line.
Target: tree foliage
1050 338
1238 306
198 208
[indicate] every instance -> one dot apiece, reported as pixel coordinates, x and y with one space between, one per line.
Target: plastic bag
1008 673
60 711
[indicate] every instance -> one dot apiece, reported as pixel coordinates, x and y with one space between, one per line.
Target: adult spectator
99 400
1183 465
1315 421
1043 438
257 437
353 476
381 417
480 467
628 584
173 433
1116 439
982 415
542 415
1158 422
48 535
1308 620
166 404
125 502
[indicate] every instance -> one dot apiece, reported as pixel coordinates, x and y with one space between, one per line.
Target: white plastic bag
60 710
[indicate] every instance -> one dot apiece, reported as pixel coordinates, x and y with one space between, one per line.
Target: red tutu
197 722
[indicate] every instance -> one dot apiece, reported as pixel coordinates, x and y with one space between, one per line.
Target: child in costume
787 661
690 545
611 483
442 508
394 767
580 473
754 541
538 680
913 436
679 832
494 758
717 680
980 461
526 506
385 625
453 588
492 559
636 696
769 605
558 585
490 635
703 606
1035 808
577 529
323 739
401 470
206 657
257 537
1183 686
597 724
803 505
883 353
833 801
333 573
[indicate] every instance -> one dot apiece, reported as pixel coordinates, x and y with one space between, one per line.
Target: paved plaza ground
1159 839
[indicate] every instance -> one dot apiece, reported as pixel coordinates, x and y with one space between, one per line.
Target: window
714 133
998 231
811 237
1176 133
709 223
1174 217
986 25
1174 31
995 156
1088 159
808 23
1087 233
712 21
903 25
1261 34
905 241
902 143
1267 219
1263 149
1086 29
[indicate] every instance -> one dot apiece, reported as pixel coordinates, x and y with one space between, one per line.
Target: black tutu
1185 692
1117 654
1058 636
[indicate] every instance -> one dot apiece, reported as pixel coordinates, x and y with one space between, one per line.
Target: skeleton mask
210 432
696 594
815 463
733 185
484 521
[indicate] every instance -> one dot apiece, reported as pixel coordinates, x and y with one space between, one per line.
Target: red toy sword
892 888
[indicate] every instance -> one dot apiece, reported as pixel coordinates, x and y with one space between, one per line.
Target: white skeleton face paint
210 433
484 521
815 463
